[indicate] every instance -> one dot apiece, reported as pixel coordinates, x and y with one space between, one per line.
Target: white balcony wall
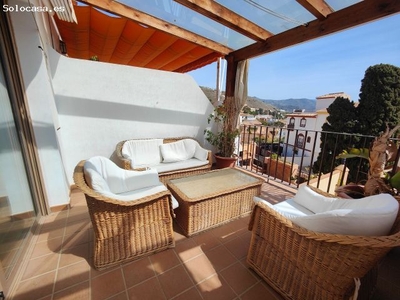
100 104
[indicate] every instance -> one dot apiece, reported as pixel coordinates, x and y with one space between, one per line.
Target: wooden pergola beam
153 22
319 8
357 14
215 11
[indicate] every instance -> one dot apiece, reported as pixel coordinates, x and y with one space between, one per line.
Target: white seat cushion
102 174
109 180
368 216
179 165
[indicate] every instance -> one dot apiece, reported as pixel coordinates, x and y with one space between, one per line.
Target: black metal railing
297 155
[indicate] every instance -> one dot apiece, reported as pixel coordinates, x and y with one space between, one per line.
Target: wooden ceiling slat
141 17
224 16
319 8
357 14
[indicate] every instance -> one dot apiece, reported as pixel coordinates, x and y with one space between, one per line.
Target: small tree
379 104
342 118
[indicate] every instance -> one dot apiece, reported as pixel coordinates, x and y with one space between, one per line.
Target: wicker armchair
127 229
303 264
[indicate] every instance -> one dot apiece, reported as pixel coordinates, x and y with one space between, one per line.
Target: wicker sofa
130 224
198 161
304 264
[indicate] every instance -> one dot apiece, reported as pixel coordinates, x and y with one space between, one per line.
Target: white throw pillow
142 152
177 151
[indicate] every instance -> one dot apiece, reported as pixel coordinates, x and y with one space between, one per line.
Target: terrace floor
211 265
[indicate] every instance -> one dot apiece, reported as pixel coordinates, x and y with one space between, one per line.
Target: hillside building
303 126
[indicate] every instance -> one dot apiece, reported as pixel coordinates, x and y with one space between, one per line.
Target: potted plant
382 151
223 139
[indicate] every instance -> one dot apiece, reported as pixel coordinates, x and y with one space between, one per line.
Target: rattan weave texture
211 199
164 176
127 230
302 264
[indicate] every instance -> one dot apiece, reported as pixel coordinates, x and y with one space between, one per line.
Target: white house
304 126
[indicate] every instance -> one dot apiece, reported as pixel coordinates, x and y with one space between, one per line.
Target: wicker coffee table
213 198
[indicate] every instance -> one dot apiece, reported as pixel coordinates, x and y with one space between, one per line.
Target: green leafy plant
223 139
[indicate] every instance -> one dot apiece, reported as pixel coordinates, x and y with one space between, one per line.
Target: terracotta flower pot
224 162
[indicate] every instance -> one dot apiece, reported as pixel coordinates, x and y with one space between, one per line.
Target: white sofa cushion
176 151
109 180
288 208
182 150
142 153
103 175
179 165
368 216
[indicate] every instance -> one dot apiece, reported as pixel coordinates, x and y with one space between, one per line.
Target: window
300 141
303 122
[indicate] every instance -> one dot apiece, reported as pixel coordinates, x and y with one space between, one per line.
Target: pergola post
229 101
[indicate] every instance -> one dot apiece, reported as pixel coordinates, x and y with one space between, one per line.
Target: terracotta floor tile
41 265
147 290
260 291
120 296
200 268
239 246
239 278
223 233
175 281
164 260
214 259
51 233
191 294
107 285
47 247
81 225
207 241
75 254
214 288
80 291
220 258
138 271
187 249
76 239
94 273
36 288
72 275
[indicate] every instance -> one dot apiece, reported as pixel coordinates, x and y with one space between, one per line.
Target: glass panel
340 4
186 18
17 213
274 16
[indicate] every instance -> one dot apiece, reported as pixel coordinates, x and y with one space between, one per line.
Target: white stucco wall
40 101
100 104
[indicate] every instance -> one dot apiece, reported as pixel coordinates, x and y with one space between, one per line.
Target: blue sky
335 63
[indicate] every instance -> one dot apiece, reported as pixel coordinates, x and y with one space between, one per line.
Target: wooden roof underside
138 39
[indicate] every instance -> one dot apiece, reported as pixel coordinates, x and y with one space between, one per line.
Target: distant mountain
290 104
254 102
